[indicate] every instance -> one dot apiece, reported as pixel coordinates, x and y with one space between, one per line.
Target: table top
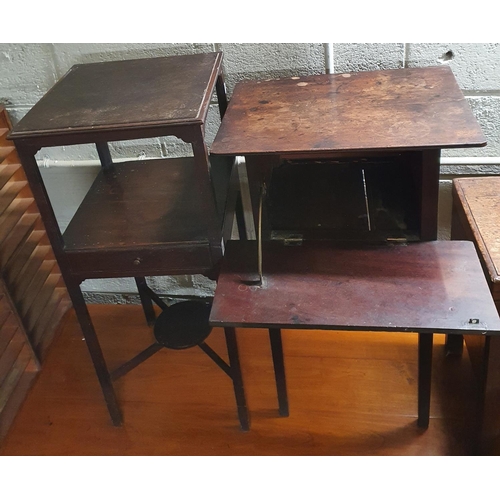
426 287
140 204
126 94
417 108
480 200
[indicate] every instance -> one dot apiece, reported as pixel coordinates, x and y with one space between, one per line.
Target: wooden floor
349 393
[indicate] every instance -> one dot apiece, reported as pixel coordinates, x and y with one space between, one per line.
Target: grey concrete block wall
245 61
368 56
27 71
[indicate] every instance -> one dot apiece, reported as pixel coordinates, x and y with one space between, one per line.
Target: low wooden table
476 217
425 288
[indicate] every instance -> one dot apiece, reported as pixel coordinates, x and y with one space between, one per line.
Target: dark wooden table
399 117
409 114
140 218
475 217
424 287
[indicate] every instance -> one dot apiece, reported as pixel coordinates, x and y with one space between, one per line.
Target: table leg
147 303
234 362
454 345
424 378
279 370
95 352
104 155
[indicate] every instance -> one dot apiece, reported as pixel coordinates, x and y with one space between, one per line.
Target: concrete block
137 149
27 71
111 286
458 170
475 65
270 60
68 54
74 153
487 111
349 57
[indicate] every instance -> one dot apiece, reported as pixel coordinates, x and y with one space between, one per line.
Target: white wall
27 71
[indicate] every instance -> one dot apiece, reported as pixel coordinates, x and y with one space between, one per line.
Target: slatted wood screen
33 298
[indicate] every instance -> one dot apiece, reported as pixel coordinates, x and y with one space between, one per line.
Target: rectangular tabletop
126 94
417 108
140 203
431 287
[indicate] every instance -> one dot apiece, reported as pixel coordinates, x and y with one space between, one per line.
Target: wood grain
417 108
350 394
421 287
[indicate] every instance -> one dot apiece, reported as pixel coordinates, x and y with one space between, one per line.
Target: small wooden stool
476 217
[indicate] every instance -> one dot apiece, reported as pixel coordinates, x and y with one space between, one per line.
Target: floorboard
350 393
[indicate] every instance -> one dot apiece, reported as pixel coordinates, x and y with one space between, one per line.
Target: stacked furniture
355 159
33 294
343 174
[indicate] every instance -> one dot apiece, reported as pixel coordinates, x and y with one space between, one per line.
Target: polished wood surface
350 393
422 287
118 101
139 203
140 216
477 205
128 94
417 108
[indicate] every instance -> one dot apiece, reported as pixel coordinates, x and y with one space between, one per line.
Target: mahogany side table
140 218
424 288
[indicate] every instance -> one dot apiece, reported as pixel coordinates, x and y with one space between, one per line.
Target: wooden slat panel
17 369
8 330
41 300
17 397
5 152
45 317
20 286
4 131
26 262
12 157
10 355
10 218
10 191
4 310
35 286
20 258
10 171
17 236
51 329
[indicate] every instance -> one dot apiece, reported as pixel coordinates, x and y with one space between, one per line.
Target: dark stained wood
142 219
415 108
180 403
28 270
354 116
422 287
129 94
475 217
